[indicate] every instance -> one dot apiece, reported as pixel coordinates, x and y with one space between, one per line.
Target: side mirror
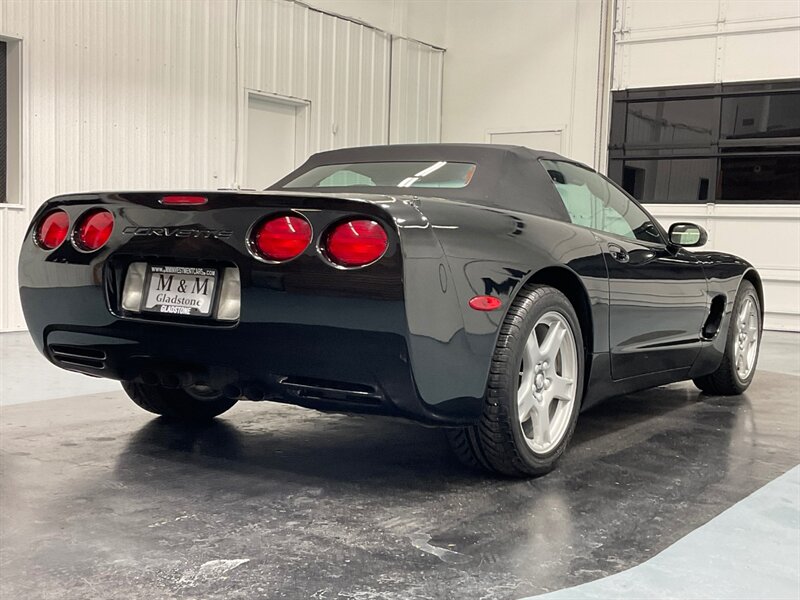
687 235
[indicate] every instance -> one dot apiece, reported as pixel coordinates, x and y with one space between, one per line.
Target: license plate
187 291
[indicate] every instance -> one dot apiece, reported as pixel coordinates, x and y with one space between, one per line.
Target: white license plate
187 291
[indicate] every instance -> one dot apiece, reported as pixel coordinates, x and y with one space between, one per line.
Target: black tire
726 381
176 404
497 442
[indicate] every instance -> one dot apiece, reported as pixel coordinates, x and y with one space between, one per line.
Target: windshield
423 174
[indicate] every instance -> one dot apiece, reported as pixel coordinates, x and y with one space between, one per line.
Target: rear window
422 174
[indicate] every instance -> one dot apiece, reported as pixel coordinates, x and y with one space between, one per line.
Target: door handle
618 253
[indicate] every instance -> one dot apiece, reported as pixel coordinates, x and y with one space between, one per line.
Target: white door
271 148
549 139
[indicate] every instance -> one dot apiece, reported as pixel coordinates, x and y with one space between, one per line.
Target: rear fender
487 251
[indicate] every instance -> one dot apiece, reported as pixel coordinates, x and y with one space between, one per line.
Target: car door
658 298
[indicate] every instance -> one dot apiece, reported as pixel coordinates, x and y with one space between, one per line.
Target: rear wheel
534 391
738 366
195 404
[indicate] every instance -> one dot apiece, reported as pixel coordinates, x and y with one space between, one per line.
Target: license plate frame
181 291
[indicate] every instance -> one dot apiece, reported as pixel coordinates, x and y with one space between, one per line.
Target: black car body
397 336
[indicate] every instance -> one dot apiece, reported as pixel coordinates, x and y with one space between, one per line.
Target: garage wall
416 95
416 19
673 42
150 94
515 66
341 67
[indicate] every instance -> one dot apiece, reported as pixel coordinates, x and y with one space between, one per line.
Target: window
3 122
439 174
721 143
760 176
10 121
686 178
673 122
762 115
594 202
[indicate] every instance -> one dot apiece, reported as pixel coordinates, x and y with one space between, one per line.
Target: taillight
184 200
281 238
93 229
52 230
356 243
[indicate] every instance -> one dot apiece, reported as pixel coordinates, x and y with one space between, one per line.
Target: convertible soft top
506 176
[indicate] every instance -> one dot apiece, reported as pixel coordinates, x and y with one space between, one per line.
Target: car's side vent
324 389
711 326
78 356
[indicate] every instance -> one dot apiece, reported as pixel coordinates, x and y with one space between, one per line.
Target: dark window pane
676 180
672 122
3 117
770 115
759 178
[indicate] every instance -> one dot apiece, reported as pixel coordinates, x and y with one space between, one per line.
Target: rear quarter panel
460 250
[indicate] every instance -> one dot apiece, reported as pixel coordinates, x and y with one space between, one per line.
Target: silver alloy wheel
547 382
747 333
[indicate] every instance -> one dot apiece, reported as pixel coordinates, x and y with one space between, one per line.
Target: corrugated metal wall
340 66
145 94
416 92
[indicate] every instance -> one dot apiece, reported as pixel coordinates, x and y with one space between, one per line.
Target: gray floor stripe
752 550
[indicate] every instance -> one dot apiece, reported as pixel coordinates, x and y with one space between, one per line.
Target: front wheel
534 391
735 372
201 404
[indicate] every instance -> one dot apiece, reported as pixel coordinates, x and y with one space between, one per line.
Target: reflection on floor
100 500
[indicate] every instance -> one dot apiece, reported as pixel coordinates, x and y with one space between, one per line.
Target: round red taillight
52 230
282 238
356 243
93 230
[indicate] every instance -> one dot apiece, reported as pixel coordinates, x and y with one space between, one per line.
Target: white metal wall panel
668 43
660 14
663 62
742 51
148 94
416 108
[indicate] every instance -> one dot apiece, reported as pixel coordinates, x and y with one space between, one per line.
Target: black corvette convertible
491 290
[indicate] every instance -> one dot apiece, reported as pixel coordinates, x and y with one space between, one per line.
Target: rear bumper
361 365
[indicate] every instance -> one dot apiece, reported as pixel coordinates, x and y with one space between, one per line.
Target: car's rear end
293 297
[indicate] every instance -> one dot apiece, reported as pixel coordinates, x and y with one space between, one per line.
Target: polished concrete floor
99 500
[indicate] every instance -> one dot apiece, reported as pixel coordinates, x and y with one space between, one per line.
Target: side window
591 201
